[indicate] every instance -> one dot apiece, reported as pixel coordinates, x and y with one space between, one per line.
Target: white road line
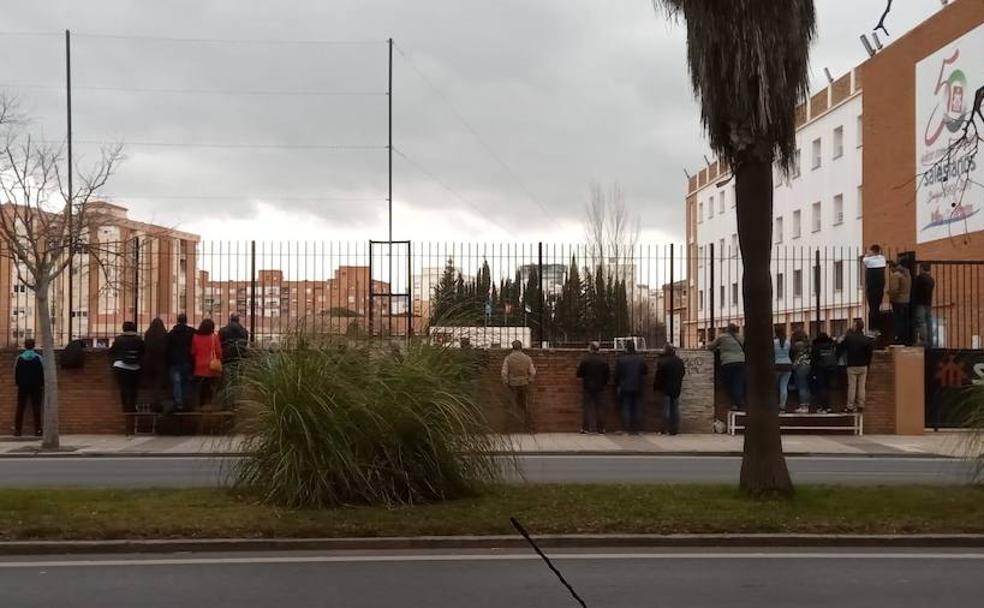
316 559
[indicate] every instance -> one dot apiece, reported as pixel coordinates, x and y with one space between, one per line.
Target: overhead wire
248 92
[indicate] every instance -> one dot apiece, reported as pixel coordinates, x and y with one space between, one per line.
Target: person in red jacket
206 353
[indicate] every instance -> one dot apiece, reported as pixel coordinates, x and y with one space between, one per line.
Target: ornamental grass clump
357 422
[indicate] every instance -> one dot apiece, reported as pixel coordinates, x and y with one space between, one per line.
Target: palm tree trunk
50 440
763 467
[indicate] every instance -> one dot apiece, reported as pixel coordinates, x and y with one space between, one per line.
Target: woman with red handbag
206 351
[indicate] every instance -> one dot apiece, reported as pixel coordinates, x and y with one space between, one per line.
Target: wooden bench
140 419
788 422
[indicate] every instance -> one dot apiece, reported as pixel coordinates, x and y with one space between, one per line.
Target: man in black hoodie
179 363
127 353
630 370
670 371
858 348
235 341
29 378
594 373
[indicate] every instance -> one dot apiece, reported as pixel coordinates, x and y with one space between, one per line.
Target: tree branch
881 22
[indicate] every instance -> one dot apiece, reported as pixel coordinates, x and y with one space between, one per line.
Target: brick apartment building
902 106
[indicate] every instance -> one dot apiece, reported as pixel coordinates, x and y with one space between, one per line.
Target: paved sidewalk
930 444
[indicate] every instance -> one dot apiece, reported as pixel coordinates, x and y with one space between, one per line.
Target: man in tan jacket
899 293
517 373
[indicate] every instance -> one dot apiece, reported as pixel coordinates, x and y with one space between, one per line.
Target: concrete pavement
696 578
158 471
930 444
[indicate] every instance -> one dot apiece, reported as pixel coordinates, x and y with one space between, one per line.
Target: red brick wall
89 400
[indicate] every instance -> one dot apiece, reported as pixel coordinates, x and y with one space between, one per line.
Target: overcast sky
550 96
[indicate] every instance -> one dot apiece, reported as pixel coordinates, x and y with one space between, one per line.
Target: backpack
828 355
73 356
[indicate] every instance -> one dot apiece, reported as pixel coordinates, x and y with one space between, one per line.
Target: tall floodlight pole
70 201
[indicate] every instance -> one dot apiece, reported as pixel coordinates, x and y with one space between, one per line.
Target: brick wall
557 393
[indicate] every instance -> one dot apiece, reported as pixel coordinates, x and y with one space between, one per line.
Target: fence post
252 291
711 329
817 274
673 289
136 281
542 332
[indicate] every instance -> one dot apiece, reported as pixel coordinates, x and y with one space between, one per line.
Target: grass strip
77 514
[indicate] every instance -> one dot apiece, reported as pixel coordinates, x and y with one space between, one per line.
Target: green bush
356 422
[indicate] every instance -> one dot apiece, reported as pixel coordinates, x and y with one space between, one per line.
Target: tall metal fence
485 294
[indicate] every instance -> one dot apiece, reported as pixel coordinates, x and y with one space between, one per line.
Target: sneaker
850 409
803 409
584 431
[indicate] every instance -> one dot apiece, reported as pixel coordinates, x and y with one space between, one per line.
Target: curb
573 541
553 453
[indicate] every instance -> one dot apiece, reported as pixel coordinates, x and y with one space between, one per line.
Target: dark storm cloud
565 92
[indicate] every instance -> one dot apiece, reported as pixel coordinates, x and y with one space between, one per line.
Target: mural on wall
950 188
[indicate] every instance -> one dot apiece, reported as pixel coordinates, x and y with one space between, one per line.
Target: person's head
876 249
182 319
781 332
29 344
823 336
129 326
924 268
517 345
859 325
207 327
594 347
800 336
732 328
157 326
630 347
669 350
234 318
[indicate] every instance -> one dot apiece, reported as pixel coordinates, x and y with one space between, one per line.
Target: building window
797 224
797 158
780 283
860 130
721 198
20 288
778 230
860 202
838 142
721 304
838 210
710 207
797 283
817 154
734 199
734 294
839 275
700 257
700 213
720 253
700 300
734 245
816 217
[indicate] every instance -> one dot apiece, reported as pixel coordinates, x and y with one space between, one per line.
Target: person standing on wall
127 354
630 371
235 341
899 290
594 374
922 307
518 372
731 347
206 352
670 371
29 378
784 365
874 283
858 349
154 366
799 352
823 357
180 362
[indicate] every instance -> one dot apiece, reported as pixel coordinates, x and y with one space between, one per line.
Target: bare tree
41 225
611 229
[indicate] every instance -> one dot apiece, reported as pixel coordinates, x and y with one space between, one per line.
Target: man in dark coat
179 362
235 340
594 374
29 378
669 381
630 371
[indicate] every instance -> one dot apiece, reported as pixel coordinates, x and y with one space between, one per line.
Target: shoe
601 431
850 409
803 409
17 433
38 433
584 432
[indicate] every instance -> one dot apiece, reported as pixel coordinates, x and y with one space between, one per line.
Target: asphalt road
692 578
197 472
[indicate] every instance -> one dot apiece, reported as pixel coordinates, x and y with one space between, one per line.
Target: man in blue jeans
669 381
630 370
179 362
731 347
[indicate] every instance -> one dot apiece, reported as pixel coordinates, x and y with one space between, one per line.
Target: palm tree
748 62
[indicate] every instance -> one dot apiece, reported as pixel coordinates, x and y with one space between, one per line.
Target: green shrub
356 422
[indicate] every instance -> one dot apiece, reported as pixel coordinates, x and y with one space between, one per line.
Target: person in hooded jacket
29 378
594 374
670 371
179 361
127 353
630 371
154 365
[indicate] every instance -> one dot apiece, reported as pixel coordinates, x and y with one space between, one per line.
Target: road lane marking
317 559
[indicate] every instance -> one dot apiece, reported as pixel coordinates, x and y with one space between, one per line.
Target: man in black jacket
669 381
858 349
29 378
594 373
922 306
630 370
234 339
127 353
179 362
